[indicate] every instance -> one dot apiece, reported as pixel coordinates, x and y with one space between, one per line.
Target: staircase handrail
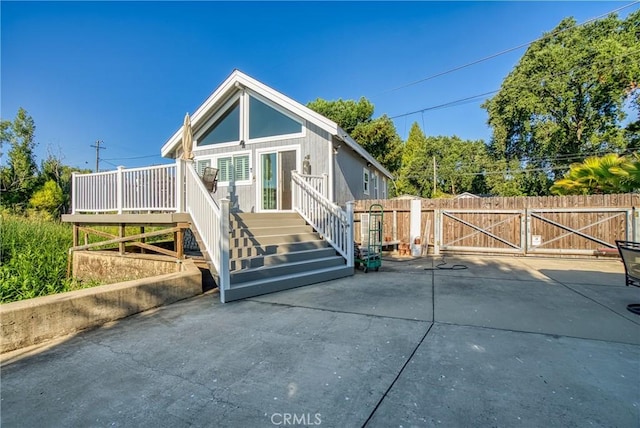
211 222
334 224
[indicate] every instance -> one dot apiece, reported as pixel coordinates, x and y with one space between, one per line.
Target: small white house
256 136
281 215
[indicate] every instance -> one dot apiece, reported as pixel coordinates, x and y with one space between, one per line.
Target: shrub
33 257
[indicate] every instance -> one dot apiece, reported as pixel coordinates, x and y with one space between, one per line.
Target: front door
275 180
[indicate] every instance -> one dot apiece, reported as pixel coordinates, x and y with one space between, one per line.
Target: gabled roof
238 79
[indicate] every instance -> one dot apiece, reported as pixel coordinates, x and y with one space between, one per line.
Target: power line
473 98
469 64
447 104
134 157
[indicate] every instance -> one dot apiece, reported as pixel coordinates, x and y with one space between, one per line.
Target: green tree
348 114
18 178
414 174
377 136
49 199
380 139
459 165
566 95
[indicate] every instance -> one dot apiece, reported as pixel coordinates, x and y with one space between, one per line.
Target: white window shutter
224 169
241 164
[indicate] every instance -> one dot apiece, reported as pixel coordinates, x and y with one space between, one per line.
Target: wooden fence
580 225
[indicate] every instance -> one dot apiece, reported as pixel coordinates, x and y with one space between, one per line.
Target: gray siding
315 143
348 185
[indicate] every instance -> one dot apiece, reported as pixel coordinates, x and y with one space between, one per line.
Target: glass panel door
269 181
276 179
287 164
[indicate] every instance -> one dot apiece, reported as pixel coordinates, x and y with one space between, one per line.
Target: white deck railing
151 188
212 224
334 224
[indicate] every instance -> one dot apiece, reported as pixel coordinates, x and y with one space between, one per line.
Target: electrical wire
473 98
133 157
497 54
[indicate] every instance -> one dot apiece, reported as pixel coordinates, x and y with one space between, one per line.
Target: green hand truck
370 256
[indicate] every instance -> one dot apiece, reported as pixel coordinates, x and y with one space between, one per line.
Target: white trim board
237 80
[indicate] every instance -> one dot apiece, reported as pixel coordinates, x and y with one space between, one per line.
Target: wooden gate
579 231
499 231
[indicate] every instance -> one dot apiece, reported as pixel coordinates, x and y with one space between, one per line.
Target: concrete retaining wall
109 266
32 321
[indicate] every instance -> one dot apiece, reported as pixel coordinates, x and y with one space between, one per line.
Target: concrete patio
506 342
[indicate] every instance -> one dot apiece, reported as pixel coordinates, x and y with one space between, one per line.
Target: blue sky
126 72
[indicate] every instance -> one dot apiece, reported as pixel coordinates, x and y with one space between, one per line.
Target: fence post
74 194
119 189
636 225
414 226
350 240
180 196
437 231
523 231
224 248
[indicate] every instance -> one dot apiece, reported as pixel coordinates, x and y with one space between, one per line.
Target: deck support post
178 242
143 240
121 233
76 234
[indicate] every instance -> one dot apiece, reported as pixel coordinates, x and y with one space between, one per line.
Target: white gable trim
238 80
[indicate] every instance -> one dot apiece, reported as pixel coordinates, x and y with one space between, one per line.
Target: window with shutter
201 165
241 166
224 169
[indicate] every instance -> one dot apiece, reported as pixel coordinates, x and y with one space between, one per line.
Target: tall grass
33 257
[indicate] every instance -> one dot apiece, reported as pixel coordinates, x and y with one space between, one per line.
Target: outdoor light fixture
242 144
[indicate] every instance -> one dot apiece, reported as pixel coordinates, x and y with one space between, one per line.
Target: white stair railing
334 224
317 182
212 224
125 190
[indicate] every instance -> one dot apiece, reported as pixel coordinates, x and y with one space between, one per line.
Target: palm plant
610 173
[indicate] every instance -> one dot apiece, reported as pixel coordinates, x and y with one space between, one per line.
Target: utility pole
435 177
98 147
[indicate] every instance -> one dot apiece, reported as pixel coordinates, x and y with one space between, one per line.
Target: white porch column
414 226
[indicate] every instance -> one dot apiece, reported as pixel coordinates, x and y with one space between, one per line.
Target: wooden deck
143 219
